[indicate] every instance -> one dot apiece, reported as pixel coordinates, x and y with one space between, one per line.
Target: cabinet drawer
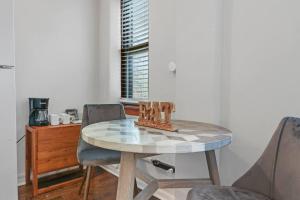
48 165
57 148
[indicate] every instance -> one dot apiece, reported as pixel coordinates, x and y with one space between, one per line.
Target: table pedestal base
127 176
128 172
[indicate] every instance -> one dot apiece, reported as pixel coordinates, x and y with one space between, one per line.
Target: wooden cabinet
49 149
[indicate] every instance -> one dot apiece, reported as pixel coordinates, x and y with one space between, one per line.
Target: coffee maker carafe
38 112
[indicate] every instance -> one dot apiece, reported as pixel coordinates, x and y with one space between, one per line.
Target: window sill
131 106
129 102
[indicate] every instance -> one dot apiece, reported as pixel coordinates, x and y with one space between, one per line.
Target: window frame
125 51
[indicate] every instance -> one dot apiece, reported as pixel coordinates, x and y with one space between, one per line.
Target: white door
8 148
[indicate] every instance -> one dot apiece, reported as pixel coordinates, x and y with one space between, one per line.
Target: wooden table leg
212 167
147 193
127 176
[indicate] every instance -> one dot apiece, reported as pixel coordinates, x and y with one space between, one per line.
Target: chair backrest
98 113
277 173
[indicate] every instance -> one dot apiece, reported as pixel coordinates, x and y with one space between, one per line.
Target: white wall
109 51
189 35
261 71
197 78
237 65
161 53
162 49
191 39
56 56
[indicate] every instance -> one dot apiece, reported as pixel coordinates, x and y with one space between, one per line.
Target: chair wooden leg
83 182
87 183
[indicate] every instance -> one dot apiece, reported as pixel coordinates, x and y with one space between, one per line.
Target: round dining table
136 142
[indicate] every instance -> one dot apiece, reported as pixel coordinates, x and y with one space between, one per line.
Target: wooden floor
103 187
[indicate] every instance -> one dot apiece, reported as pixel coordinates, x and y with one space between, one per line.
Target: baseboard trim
21 179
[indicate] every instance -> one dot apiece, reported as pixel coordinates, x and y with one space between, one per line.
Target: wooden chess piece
156 112
142 111
148 110
167 108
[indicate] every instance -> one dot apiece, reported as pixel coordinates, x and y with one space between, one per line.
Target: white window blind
134 52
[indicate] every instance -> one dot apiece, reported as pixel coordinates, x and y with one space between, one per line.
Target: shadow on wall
229 174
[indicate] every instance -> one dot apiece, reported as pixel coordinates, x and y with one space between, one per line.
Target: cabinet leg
35 184
28 157
34 166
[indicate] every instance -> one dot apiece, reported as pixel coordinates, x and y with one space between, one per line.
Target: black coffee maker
38 112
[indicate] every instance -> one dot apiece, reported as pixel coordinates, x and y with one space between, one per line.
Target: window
134 49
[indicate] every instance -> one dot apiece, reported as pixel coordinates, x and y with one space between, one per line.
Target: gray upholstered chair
89 155
275 176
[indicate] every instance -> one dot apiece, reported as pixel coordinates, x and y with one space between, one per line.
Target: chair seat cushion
99 156
223 193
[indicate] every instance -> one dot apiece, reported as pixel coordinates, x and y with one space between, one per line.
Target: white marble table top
123 135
